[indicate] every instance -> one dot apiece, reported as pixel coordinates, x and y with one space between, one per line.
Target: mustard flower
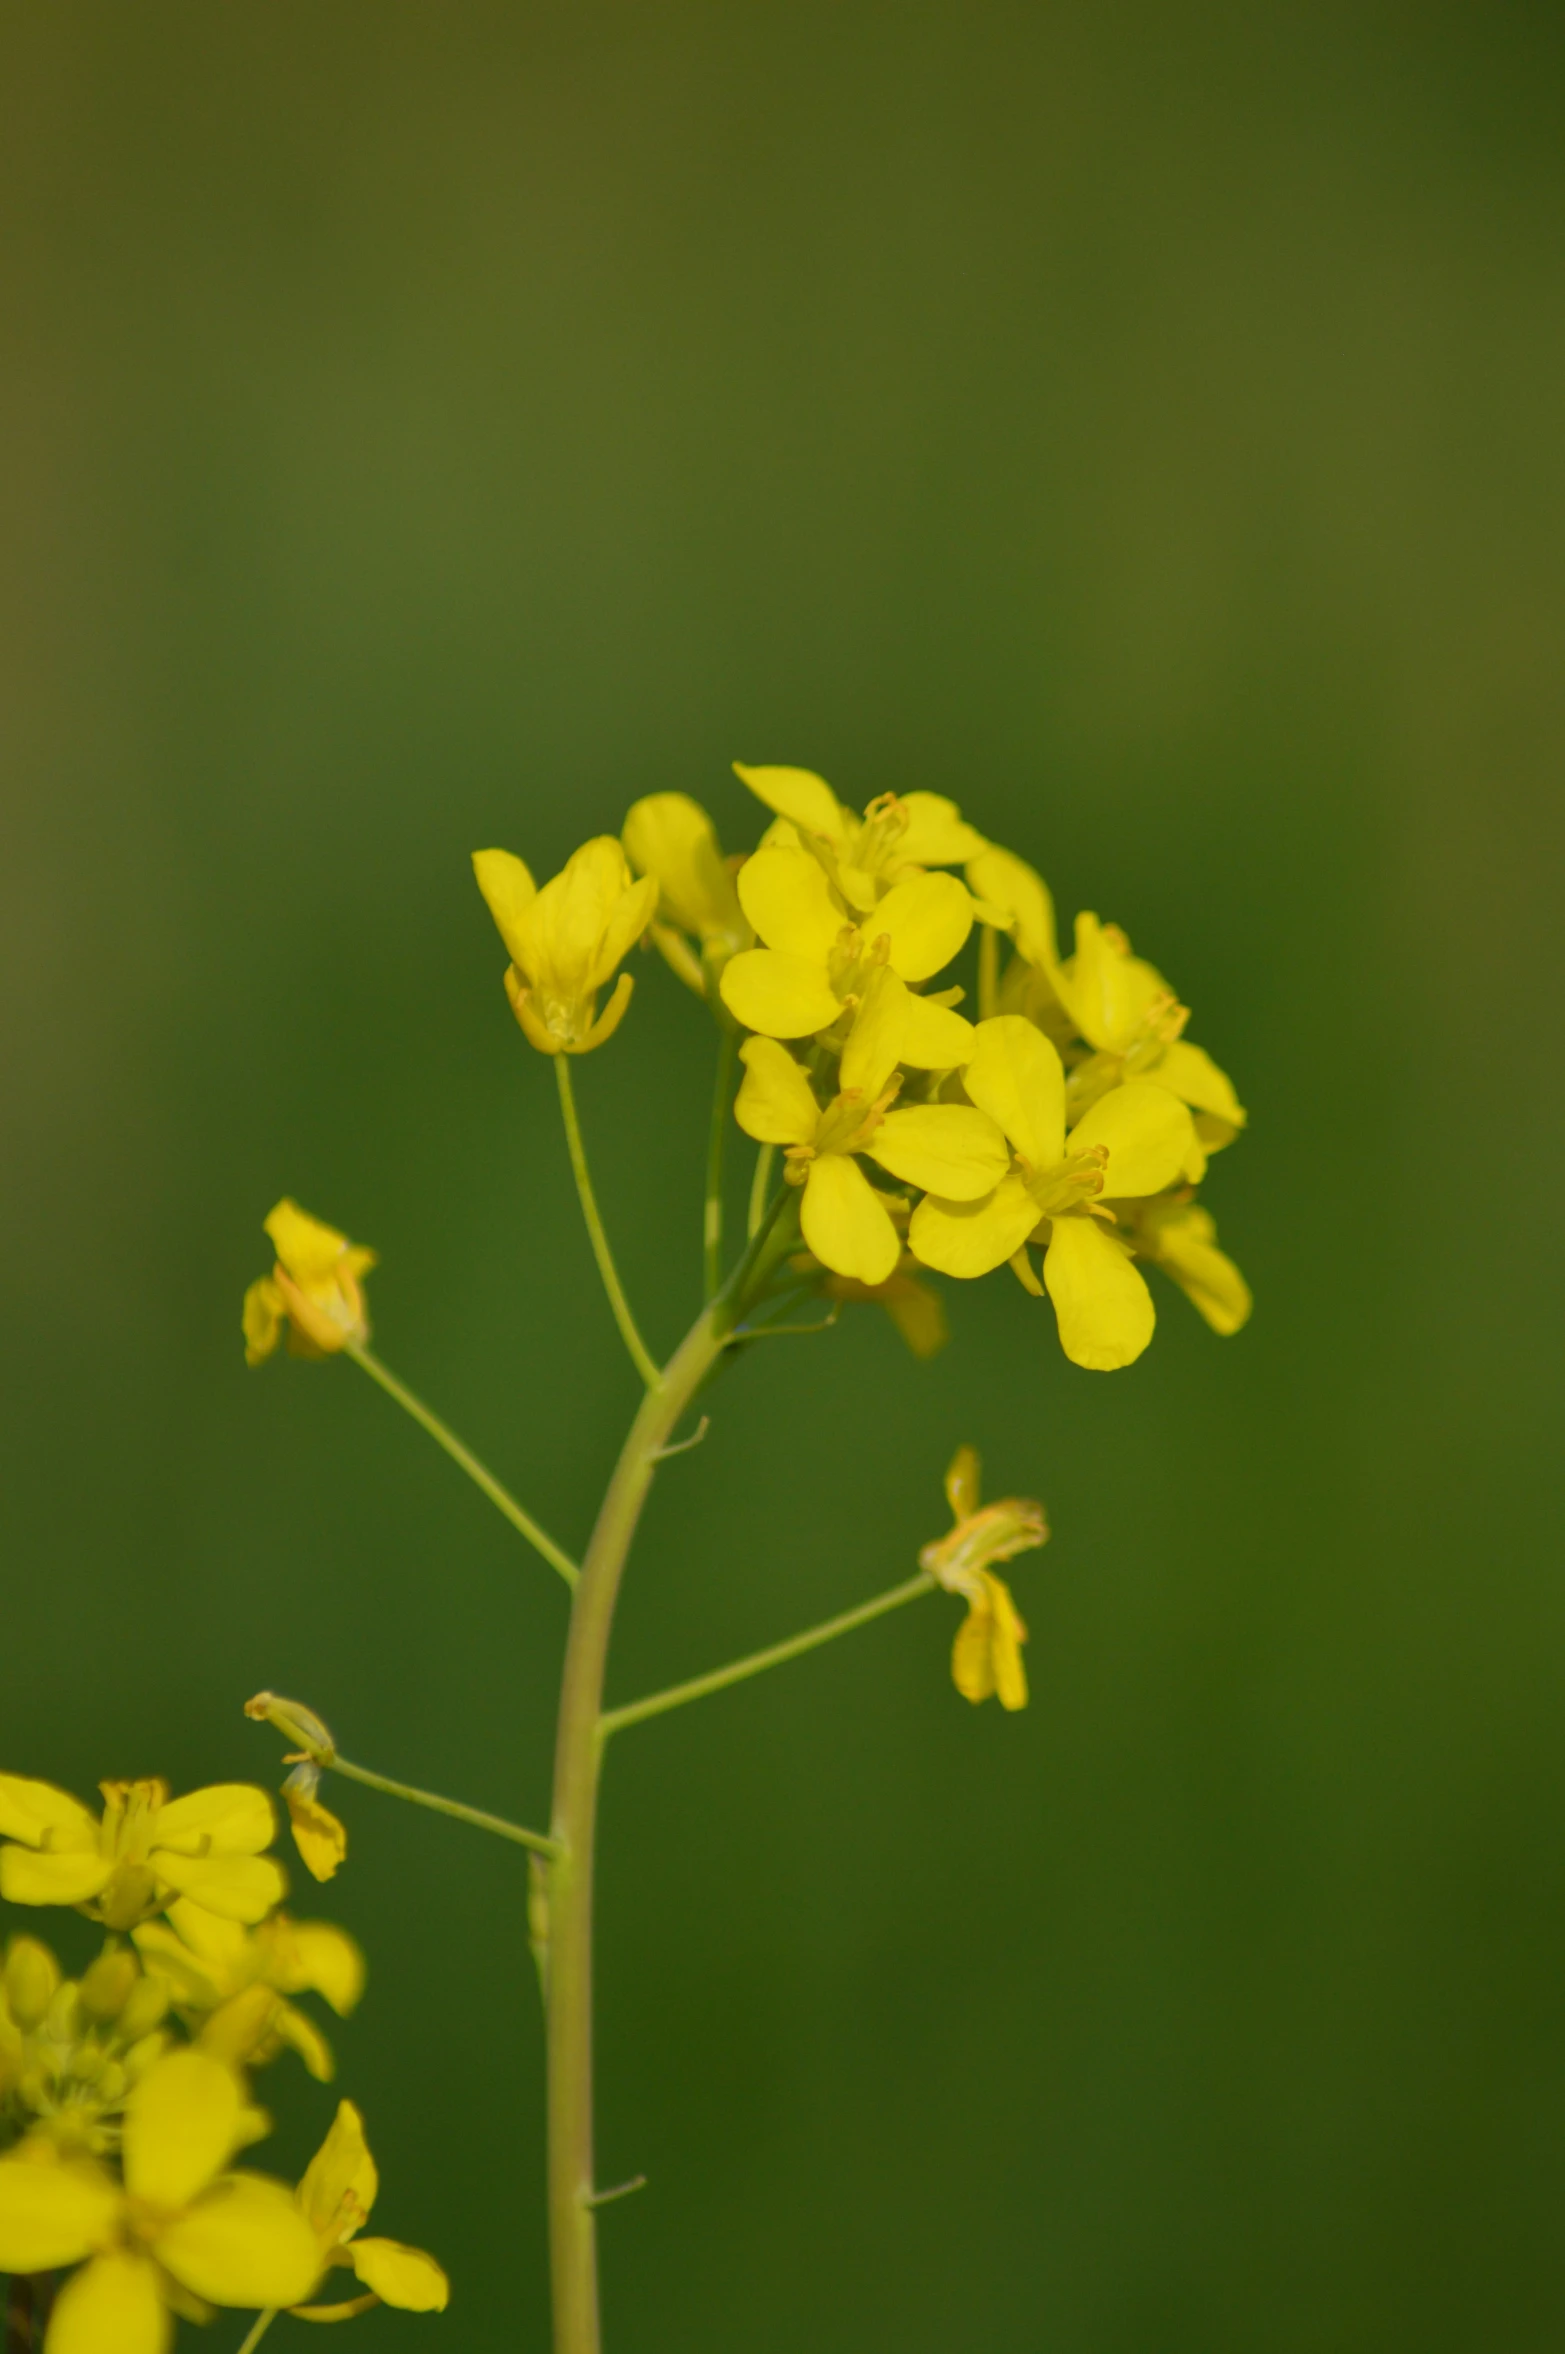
180 2228
1179 1236
987 1654
567 940
844 1220
313 1291
233 1983
1133 1141
146 1850
670 837
335 2199
819 956
897 837
71 2049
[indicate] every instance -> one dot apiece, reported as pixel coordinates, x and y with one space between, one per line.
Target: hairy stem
712 1213
641 1356
577 1763
755 1663
501 1498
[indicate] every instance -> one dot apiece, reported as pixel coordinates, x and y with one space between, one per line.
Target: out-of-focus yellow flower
335 2199
180 2223
671 838
1013 891
313 1292
987 1654
146 1850
1130 1017
1179 1236
1135 1139
917 1311
233 1982
819 955
844 1221
898 836
567 940
71 2050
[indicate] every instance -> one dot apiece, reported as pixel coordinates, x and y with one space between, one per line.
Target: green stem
441 1806
756 1662
640 1355
758 1185
712 1214
258 2329
577 1765
538 1538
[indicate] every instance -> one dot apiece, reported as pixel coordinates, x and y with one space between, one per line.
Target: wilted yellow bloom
314 1289
819 955
233 1982
321 1839
987 1654
179 2223
146 1850
567 940
1179 1236
335 2199
671 838
845 1222
1135 1139
896 838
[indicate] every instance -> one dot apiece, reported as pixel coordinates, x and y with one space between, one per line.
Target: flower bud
31 1976
107 1982
145 2007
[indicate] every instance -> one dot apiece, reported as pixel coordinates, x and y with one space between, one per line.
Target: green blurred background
433 427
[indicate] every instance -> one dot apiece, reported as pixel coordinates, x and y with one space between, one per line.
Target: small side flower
986 1657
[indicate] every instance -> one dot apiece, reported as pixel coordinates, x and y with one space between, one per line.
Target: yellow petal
937 834
401 2276
296 2029
1101 1301
775 1104
112 2306
238 1887
609 1020
182 2125
262 1319
167 1957
787 898
561 932
341 2170
308 1249
802 797
1006 1639
228 1818
926 919
1010 884
874 1044
934 1038
324 1958
671 838
973 1238
628 919
972 1653
1181 1238
222 1946
1196 1079
243 2243
320 1838
781 996
52 2215
31 1811
1148 1134
963 1483
1107 991
29 1878
948 1148
1016 1076
508 890
845 1224
918 1314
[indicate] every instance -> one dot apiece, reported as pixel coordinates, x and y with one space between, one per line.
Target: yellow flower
70 2050
335 2198
987 1654
146 1850
844 1221
235 1981
671 838
566 940
1134 1140
896 838
1018 898
819 957
180 2228
1127 1013
1177 1235
313 1290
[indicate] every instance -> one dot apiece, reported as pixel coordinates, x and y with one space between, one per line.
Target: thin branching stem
258 2329
641 1356
517 1833
464 1457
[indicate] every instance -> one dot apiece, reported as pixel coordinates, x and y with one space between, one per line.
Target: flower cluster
1073 1117
124 2093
